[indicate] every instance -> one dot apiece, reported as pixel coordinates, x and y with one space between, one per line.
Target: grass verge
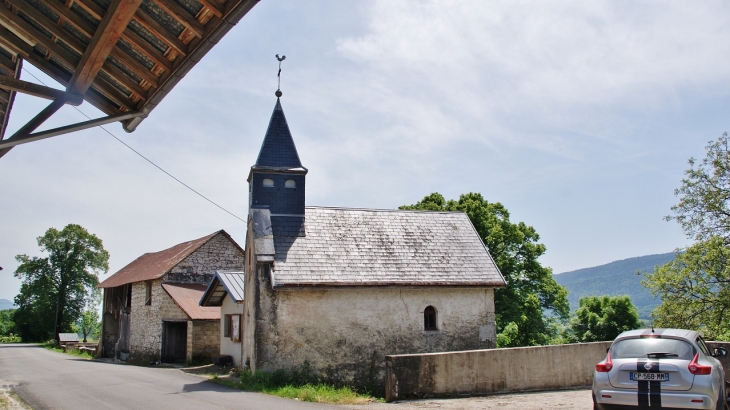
312 392
10 401
51 345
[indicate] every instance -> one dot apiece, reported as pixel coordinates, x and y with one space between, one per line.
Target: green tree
600 318
703 210
695 289
88 323
527 308
7 325
56 288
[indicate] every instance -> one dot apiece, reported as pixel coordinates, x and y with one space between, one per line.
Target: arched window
429 318
268 182
290 183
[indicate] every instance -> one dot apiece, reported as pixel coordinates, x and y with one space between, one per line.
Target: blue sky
578 116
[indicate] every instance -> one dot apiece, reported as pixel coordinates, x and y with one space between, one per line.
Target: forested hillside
6 304
615 278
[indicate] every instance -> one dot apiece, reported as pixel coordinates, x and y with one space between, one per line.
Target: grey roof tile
345 246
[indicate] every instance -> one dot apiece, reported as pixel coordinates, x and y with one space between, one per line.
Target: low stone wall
482 372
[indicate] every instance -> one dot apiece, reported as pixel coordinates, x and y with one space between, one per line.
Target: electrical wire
149 160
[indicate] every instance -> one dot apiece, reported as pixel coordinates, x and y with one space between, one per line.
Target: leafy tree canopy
703 210
56 288
88 324
600 318
7 325
695 289
531 290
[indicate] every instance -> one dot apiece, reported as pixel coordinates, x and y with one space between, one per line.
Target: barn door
174 341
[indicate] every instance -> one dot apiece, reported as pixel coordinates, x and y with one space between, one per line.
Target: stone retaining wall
482 372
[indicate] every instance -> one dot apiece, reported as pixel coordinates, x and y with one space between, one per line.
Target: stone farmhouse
151 311
337 289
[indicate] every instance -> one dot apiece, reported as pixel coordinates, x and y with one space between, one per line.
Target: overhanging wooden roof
122 56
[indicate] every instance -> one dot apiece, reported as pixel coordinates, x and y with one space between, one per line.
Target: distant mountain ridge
615 278
7 304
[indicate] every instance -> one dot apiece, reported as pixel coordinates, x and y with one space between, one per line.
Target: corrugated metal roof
224 283
369 247
187 295
68 337
233 282
153 265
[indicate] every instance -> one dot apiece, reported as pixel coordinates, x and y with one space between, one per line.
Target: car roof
690 335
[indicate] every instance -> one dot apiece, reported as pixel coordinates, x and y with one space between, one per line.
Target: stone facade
345 333
203 336
146 320
199 267
205 340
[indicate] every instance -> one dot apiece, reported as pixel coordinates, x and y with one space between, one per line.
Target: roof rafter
115 20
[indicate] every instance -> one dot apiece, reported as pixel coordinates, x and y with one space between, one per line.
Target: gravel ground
563 399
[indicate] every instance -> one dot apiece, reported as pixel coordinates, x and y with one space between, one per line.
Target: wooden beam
146 48
12 20
136 66
130 36
117 18
34 123
37 90
181 16
214 8
80 48
71 18
156 28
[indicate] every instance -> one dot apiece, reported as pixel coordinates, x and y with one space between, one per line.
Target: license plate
653 377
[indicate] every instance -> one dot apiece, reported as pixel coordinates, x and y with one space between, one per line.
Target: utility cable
149 160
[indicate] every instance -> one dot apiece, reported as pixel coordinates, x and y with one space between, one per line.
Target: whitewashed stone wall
345 333
233 349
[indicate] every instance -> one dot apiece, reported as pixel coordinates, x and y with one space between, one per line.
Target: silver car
660 368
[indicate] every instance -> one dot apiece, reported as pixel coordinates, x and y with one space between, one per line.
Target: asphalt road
49 380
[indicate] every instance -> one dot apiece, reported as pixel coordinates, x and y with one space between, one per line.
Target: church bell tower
277 181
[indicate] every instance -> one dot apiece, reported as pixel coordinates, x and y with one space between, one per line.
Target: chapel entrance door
174 341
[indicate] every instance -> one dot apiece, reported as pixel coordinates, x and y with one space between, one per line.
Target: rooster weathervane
278 88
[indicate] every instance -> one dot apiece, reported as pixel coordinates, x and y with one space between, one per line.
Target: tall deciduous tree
703 210
531 290
694 288
56 288
601 318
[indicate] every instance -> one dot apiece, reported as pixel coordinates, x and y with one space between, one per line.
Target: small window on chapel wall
268 182
429 318
290 183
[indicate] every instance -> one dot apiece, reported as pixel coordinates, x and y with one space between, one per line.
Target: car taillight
605 366
696 368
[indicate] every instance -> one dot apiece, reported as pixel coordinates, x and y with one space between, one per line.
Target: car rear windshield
652 347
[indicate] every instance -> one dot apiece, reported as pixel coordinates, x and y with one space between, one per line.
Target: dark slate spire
278 150
277 182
